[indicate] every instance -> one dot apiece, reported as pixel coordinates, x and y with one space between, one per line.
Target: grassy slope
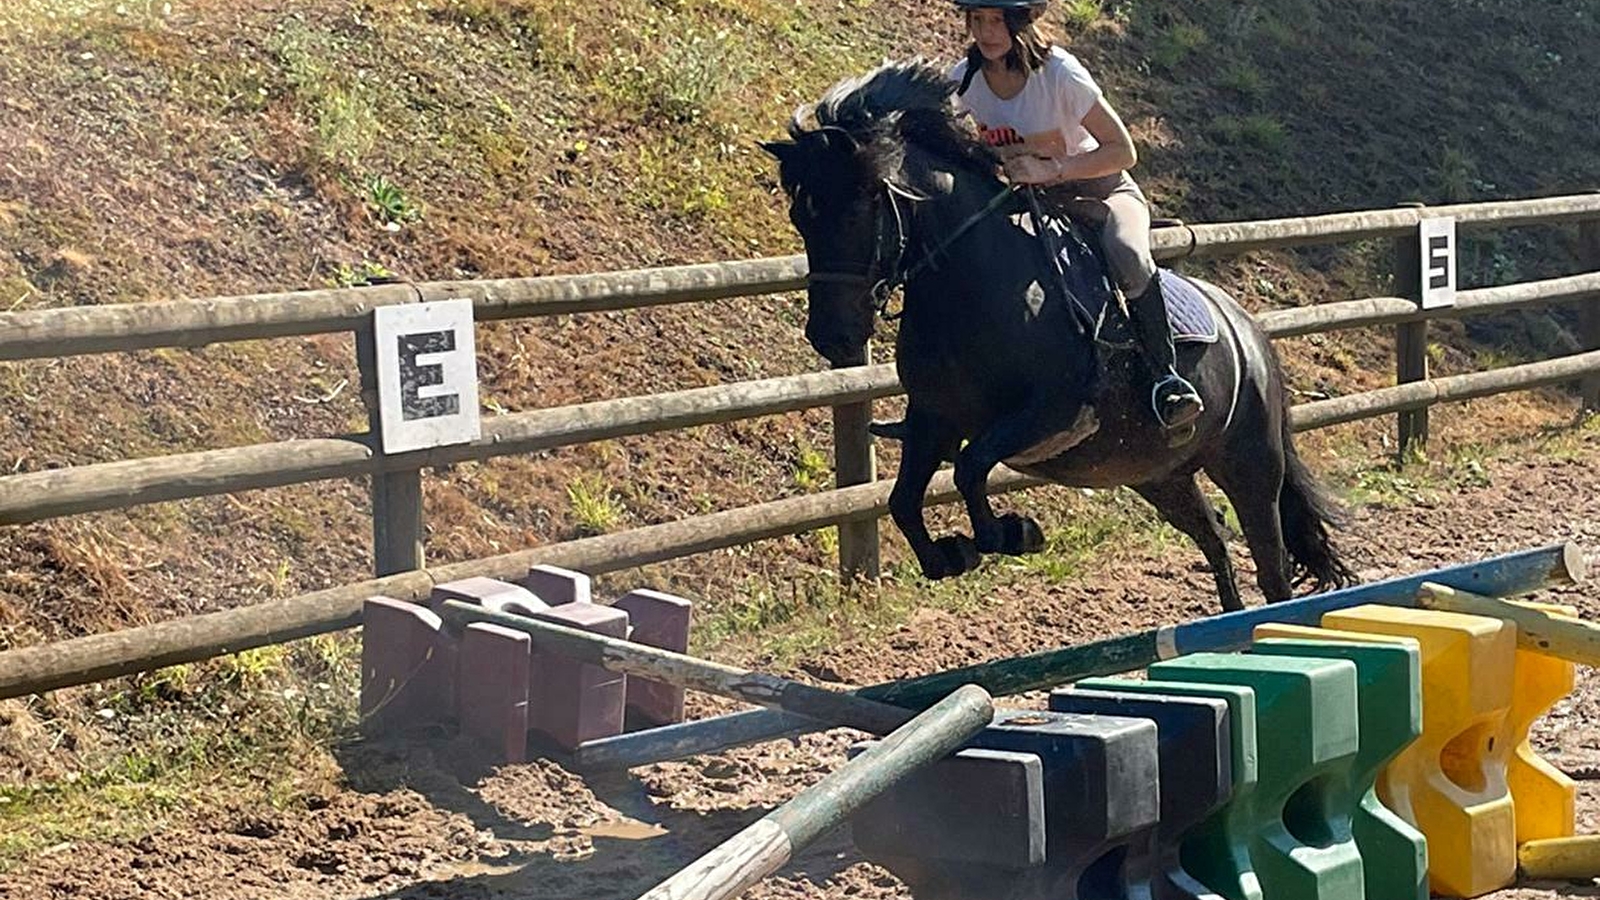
152 150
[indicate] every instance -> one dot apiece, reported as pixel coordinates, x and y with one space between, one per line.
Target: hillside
152 150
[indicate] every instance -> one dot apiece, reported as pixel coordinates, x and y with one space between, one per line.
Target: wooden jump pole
1570 639
772 841
1567 858
615 655
1510 574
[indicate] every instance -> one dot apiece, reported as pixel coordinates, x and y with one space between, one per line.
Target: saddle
1072 231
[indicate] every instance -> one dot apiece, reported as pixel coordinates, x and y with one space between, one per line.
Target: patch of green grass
1261 131
389 202
1175 45
811 466
1244 79
812 610
249 727
595 508
342 108
675 179
682 71
1078 15
345 275
1454 174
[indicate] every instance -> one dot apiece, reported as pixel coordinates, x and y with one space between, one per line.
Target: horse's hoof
1012 535
1024 534
957 554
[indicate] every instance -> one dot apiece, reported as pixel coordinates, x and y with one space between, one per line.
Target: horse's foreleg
1038 433
1181 503
926 442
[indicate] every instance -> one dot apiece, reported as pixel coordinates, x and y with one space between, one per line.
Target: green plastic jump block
1389 696
1307 735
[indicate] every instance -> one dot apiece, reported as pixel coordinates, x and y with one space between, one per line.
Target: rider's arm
1115 153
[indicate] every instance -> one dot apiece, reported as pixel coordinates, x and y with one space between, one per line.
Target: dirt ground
420 821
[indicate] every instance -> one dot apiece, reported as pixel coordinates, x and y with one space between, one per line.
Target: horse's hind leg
1181 503
1253 485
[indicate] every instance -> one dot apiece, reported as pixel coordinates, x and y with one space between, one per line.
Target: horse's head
852 190
836 199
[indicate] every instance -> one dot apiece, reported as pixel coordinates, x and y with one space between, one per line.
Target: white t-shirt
1047 113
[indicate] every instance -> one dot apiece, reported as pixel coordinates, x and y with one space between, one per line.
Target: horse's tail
1306 512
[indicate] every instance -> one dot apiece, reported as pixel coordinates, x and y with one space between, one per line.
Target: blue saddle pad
1187 309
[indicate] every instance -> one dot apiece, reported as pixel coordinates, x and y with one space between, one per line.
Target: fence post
1589 310
856 462
396 496
1411 338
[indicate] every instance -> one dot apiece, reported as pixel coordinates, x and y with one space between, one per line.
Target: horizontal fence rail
1282 323
1229 238
36 496
97 657
49 333
37 334
129 651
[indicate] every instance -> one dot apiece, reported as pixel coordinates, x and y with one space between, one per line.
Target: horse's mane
897 103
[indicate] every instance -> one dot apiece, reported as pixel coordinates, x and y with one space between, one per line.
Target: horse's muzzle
838 350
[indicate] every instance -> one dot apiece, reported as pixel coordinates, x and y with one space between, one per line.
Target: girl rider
1039 107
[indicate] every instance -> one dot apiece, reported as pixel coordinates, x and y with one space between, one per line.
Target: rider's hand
1030 169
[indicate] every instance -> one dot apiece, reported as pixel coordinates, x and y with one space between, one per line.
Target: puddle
630 830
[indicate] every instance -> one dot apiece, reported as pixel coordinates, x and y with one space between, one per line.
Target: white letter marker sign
427 374
1438 237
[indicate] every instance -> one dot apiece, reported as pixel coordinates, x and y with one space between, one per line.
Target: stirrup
1182 391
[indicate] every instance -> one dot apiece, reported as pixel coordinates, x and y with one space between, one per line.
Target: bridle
889 244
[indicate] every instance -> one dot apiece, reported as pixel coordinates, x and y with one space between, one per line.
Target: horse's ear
782 151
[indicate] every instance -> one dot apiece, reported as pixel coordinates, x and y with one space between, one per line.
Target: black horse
886 188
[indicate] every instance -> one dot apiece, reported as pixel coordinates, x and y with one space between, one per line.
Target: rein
897 276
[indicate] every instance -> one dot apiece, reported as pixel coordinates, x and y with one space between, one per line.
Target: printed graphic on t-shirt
1010 142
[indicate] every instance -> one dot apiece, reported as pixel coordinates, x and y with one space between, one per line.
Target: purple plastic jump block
573 701
489 593
662 621
557 586
493 688
408 667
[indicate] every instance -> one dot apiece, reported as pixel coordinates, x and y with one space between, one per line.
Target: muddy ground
421 821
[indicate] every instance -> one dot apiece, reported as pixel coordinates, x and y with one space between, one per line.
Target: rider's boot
1173 399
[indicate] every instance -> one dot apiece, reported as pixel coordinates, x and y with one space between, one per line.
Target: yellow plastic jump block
1451 783
1546 800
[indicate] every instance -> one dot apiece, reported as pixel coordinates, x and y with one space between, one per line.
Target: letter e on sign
427 375
1438 237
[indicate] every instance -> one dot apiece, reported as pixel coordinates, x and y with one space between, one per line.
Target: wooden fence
856 506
